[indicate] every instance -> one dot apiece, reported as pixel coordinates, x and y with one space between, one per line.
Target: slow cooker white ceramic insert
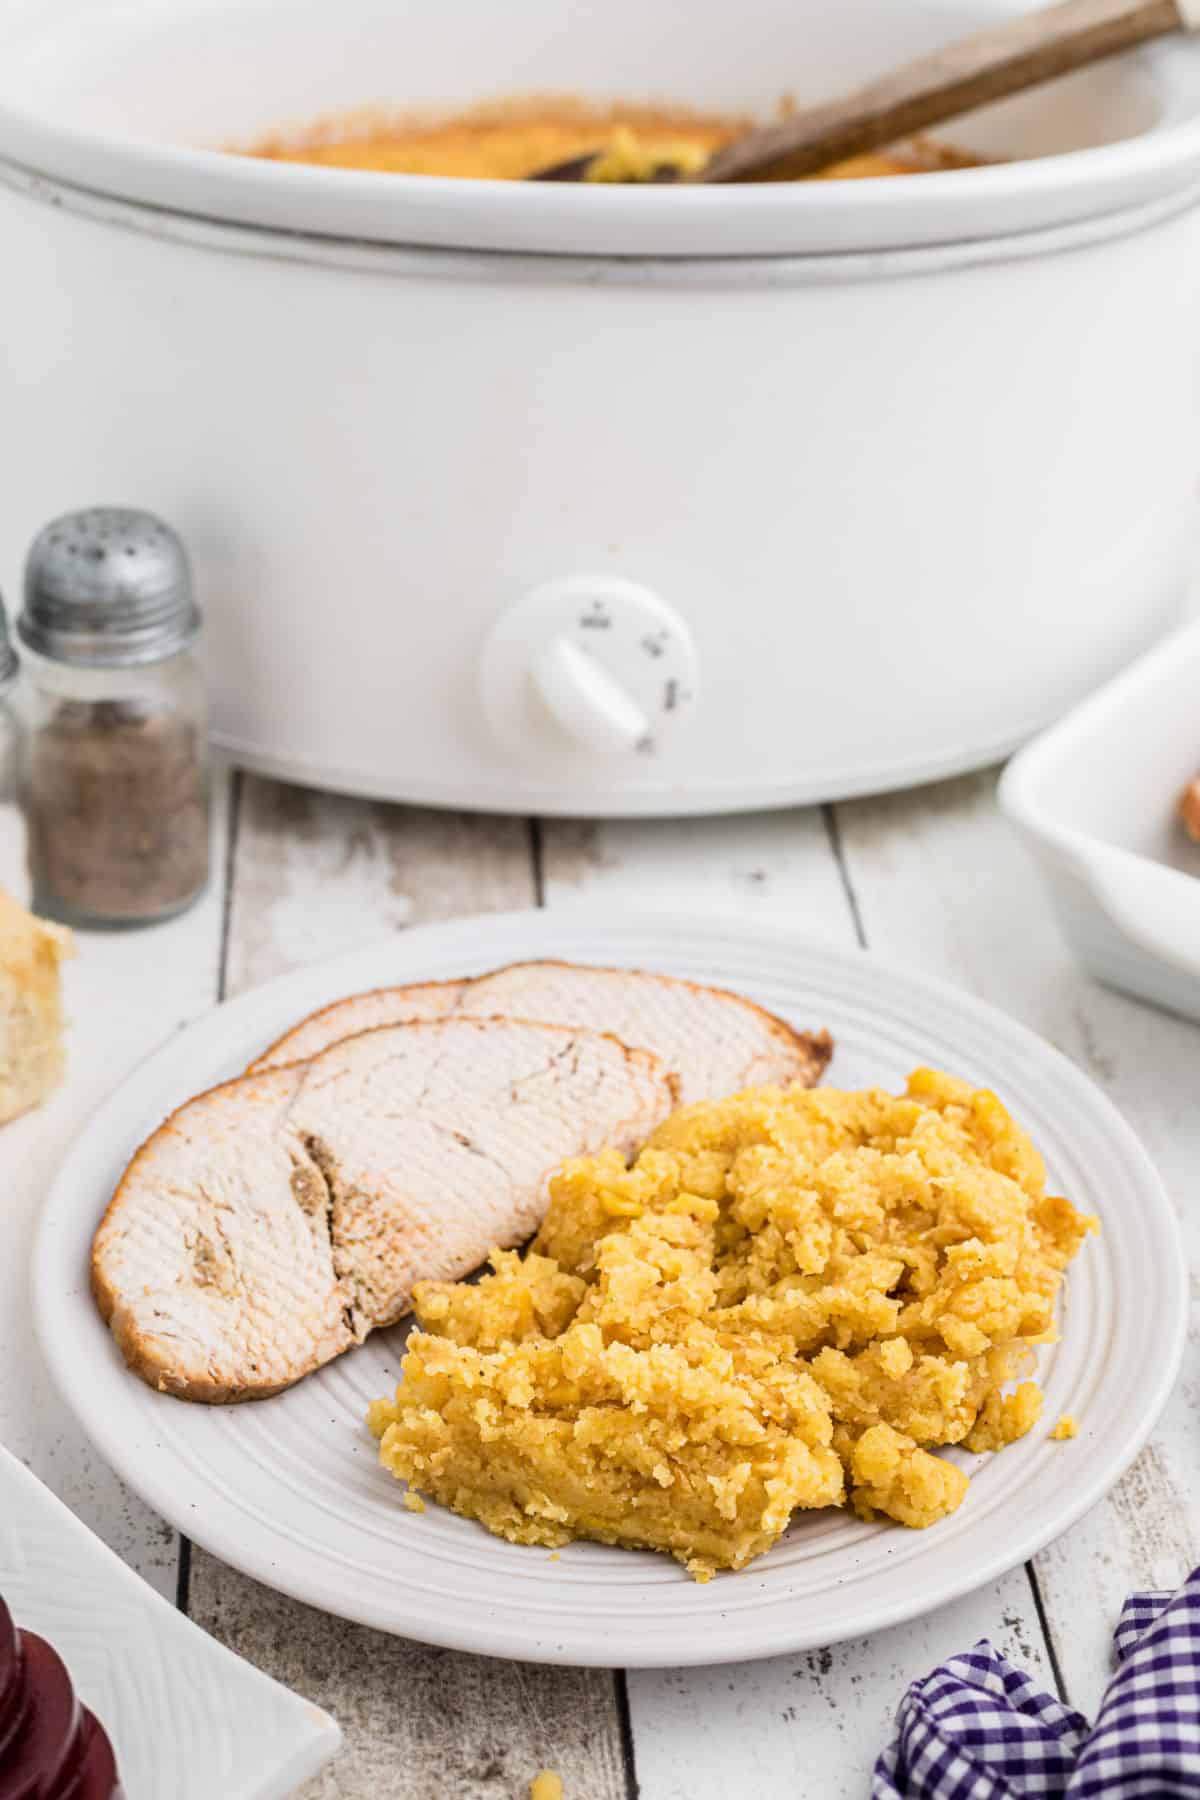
608 501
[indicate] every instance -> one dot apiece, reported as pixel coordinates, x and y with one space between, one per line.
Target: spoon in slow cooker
1005 59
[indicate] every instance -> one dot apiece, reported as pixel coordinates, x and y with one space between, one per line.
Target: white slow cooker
616 501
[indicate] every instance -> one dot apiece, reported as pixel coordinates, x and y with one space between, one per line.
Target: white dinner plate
289 1489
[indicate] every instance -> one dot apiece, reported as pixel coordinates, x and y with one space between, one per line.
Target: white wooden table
933 879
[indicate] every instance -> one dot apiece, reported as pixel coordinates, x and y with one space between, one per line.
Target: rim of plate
445 1581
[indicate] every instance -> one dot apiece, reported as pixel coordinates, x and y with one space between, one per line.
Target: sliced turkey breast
713 1042
275 1221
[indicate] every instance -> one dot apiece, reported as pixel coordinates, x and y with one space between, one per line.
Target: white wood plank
320 873
773 866
812 1725
314 874
943 884
117 1016
793 1725
417 1721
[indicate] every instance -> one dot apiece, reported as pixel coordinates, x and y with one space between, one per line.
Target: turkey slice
714 1042
273 1222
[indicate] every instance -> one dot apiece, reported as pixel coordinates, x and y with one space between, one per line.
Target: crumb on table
1066 1428
546 1786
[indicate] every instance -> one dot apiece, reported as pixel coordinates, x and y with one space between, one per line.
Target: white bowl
1096 799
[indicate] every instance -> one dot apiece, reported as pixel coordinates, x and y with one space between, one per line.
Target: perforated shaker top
108 587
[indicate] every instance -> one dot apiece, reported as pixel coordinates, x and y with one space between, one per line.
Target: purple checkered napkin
978 1729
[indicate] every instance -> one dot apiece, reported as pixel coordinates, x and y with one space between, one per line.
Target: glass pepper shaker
115 782
12 828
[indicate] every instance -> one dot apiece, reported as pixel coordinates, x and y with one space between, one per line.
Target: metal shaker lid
108 587
8 656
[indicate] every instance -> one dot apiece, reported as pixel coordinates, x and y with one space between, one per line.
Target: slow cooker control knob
590 663
583 697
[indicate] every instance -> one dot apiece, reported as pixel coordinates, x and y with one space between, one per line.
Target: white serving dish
866 444
290 1489
1095 797
187 1719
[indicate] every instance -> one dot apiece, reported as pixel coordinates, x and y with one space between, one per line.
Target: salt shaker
115 778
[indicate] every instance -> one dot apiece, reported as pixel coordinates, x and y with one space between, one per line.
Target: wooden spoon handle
1018 54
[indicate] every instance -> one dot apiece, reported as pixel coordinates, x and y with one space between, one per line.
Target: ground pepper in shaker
116 762
12 829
